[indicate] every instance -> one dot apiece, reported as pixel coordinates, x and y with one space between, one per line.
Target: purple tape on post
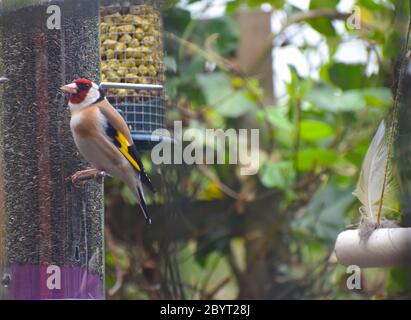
33 282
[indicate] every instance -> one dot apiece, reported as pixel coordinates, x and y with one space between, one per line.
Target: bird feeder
132 69
51 233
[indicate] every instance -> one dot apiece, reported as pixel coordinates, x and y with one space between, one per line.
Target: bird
103 138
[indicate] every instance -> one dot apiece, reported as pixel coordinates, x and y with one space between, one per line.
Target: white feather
370 184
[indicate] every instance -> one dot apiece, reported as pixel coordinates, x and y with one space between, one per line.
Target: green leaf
127 195
172 85
347 76
278 119
232 7
314 252
283 128
371 4
400 280
378 97
312 130
239 251
190 70
323 25
326 214
318 4
304 87
215 86
336 101
323 4
310 158
237 105
170 64
278 174
223 97
225 27
176 19
214 117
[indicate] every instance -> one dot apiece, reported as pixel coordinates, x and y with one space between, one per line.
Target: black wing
130 153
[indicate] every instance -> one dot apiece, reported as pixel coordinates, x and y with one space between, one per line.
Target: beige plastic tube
385 248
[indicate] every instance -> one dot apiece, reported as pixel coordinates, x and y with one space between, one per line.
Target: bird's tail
142 202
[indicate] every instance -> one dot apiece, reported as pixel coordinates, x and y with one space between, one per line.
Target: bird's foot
80 177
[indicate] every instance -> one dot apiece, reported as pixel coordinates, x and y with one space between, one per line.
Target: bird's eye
83 87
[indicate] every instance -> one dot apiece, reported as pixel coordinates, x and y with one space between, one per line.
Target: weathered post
51 233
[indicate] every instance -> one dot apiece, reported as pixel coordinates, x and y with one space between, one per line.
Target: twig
209 275
297 137
394 119
223 64
218 60
224 188
298 18
222 284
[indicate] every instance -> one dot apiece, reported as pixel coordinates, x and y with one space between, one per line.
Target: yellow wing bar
124 150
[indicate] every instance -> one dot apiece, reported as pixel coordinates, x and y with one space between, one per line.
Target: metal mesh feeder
132 69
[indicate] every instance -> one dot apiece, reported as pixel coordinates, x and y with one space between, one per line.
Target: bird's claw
80 177
99 176
76 183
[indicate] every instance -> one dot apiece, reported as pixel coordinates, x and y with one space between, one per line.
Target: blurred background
316 78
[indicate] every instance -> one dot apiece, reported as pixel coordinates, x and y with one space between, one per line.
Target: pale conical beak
70 88
3 79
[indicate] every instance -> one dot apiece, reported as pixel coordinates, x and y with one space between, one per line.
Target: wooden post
51 233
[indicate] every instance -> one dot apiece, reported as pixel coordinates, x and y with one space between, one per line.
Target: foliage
274 237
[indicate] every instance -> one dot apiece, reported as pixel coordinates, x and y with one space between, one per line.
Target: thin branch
222 284
209 276
298 18
297 137
223 187
224 64
394 119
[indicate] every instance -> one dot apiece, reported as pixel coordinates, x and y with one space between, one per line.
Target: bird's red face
82 93
78 90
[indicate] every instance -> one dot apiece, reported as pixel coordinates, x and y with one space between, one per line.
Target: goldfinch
104 139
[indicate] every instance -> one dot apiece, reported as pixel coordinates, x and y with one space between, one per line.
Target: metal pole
130 86
51 233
